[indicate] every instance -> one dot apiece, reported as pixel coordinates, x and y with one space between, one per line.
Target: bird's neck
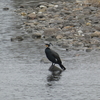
48 48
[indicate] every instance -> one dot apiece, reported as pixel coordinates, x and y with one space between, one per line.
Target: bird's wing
56 55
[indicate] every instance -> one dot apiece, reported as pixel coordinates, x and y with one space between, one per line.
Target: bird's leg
53 64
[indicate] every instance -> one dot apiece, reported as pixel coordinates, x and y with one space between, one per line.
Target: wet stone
29 30
88 49
36 35
31 16
97 27
95 34
51 31
59 37
54 69
21 6
17 38
50 39
5 9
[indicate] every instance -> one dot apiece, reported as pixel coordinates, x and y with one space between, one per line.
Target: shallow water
24 77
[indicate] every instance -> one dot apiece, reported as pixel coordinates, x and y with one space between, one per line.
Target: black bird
53 56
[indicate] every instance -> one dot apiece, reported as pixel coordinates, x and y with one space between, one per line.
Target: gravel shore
70 25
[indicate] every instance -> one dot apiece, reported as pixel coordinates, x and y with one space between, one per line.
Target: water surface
24 77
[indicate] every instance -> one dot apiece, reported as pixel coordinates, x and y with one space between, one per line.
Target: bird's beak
46 45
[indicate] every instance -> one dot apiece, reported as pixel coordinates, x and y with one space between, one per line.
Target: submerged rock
18 38
89 49
6 8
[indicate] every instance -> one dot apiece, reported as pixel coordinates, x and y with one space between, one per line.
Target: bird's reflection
53 77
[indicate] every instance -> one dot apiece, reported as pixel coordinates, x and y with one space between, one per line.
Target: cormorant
53 56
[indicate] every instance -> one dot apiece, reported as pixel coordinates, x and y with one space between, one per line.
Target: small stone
18 26
98 49
88 49
42 19
42 6
42 10
97 27
12 39
5 8
77 44
51 31
55 6
80 32
87 45
95 42
19 38
87 36
29 30
78 1
88 24
66 28
75 9
29 24
40 15
23 14
31 16
51 5
67 49
21 6
39 12
93 8
95 34
59 36
36 35
36 23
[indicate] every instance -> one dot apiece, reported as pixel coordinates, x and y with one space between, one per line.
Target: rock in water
5 8
55 69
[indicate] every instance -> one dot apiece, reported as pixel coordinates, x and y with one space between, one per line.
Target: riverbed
24 77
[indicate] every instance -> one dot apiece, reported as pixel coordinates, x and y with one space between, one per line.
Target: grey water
24 77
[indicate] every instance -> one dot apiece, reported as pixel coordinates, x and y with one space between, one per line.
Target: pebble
5 8
88 49
31 16
36 35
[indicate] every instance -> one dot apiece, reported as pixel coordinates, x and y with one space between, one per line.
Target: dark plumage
53 56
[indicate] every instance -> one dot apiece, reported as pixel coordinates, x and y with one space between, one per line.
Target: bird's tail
62 66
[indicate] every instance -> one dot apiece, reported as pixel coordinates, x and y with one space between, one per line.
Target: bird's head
48 45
